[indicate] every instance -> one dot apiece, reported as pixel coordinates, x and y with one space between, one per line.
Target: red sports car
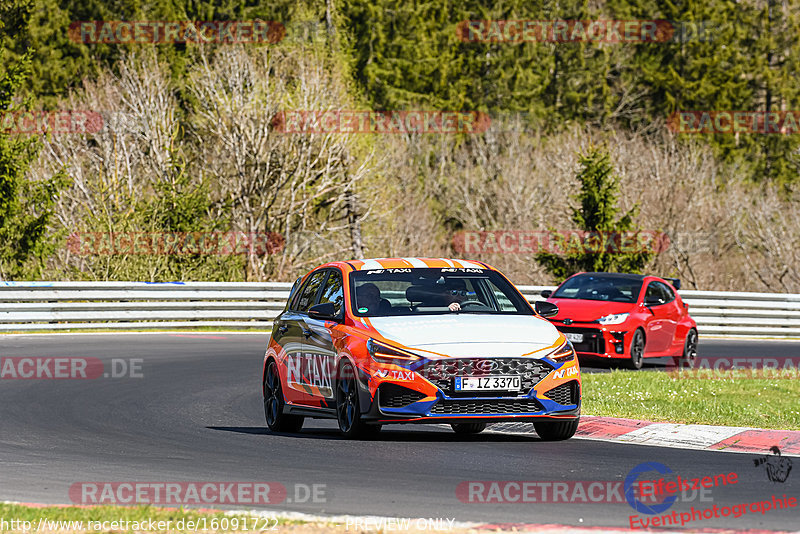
625 316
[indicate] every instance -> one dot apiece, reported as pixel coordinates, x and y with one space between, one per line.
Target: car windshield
599 287
388 292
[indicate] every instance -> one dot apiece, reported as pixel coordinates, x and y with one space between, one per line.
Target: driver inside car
369 297
456 293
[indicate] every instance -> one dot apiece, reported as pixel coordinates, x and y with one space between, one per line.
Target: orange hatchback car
418 340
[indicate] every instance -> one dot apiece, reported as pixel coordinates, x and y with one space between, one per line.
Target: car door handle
307 332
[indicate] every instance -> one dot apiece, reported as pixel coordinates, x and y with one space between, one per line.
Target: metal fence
138 305
30 306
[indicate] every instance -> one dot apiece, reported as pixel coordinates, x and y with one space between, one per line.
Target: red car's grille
592 339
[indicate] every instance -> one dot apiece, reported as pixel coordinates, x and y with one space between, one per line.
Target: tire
687 359
348 407
468 428
637 350
277 421
556 430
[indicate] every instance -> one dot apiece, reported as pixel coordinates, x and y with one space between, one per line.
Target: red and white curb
675 435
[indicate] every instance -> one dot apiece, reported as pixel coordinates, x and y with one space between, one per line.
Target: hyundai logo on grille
487 366
567 321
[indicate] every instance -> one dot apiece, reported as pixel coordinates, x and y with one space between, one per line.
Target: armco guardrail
28 306
136 305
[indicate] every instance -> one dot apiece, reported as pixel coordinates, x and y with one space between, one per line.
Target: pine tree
723 56
597 215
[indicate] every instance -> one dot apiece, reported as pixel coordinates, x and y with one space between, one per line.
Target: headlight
564 352
614 318
384 354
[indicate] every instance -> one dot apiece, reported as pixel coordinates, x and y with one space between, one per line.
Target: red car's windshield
599 287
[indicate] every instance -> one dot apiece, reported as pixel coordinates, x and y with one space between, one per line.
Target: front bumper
611 341
551 390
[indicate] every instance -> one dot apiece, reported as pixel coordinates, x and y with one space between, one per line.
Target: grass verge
698 399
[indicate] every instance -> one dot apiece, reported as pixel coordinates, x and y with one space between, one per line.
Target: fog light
619 342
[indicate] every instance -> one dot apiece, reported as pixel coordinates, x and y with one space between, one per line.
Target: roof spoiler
676 283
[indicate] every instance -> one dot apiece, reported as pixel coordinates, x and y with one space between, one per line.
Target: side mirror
546 293
325 311
545 309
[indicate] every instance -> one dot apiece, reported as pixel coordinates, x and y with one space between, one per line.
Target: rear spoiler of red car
676 283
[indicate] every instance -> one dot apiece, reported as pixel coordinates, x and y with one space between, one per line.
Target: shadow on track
410 436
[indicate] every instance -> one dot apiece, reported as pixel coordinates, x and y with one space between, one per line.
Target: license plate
575 338
488 383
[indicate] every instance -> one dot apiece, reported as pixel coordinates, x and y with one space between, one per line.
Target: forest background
189 143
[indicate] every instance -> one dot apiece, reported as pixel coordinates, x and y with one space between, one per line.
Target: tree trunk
354 224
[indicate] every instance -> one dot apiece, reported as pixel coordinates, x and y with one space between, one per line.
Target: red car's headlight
384 354
614 318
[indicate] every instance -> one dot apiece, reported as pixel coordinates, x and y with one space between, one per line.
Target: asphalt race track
196 414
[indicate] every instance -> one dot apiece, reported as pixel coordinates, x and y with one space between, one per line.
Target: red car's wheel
686 361
637 350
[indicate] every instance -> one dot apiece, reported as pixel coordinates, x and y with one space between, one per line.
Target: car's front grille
564 394
488 406
592 339
442 372
394 396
